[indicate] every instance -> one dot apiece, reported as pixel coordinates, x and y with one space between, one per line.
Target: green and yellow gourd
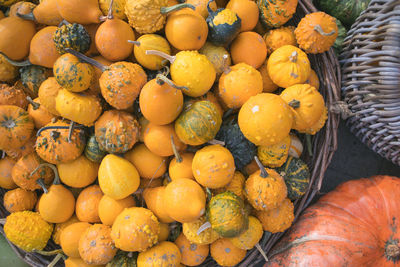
223 25
93 151
73 36
199 123
8 72
32 77
275 155
218 56
275 13
297 177
191 231
123 259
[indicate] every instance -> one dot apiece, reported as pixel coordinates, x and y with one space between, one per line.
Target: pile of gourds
127 123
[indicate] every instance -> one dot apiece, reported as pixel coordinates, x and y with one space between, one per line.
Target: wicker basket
324 145
371 78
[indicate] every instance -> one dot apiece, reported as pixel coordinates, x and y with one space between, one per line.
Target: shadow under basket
370 62
324 144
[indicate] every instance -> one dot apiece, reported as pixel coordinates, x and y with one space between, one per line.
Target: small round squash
13 95
70 236
225 253
278 219
92 150
181 166
78 262
72 36
268 84
6 180
206 237
151 42
275 155
223 26
19 200
274 14
163 254
201 6
249 238
8 72
164 232
87 204
249 48
59 227
110 208
155 201
40 115
78 173
47 93
247 11
236 185
192 254
276 38
313 80
218 56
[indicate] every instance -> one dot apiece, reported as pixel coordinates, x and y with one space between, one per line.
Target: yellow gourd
110 208
78 173
275 155
278 219
151 42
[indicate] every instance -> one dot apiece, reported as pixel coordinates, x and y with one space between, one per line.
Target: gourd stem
216 142
16 63
35 105
170 83
110 12
176 153
309 145
56 259
293 57
319 29
204 227
227 68
63 22
264 173
210 11
3 221
392 250
55 128
294 103
40 182
48 253
71 130
134 42
165 71
3 154
52 167
87 59
209 194
166 10
262 252
28 16
170 58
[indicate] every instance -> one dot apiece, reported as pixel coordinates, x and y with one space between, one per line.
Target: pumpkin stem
392 250
319 29
210 11
52 167
169 9
110 11
309 144
71 130
264 173
134 42
16 63
48 253
33 103
262 252
28 16
63 22
293 57
55 128
87 59
170 58
162 78
40 182
56 259
294 103
176 153
2 221
204 227
216 142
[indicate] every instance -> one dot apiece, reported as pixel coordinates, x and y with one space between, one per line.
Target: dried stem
52 167
34 104
87 59
319 29
166 10
16 63
170 58
164 79
293 57
28 16
264 173
176 153
71 130
294 103
110 11
262 252
204 227
309 144
216 142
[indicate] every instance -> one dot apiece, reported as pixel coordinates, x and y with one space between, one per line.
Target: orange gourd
225 253
247 11
95 86
268 84
87 204
163 254
25 149
274 14
313 80
76 11
276 38
48 92
42 49
6 165
181 166
78 173
13 95
201 6
249 48
19 200
278 219
151 42
45 12
78 262
110 208
59 227
164 232
39 114
155 201
250 237
70 236
191 254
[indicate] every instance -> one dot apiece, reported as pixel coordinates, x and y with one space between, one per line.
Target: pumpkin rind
206 237
275 155
78 173
19 200
110 208
72 36
87 204
191 254
275 13
278 219
225 253
163 254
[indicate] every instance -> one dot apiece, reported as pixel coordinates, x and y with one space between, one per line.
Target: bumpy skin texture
194 71
25 149
72 36
265 193
309 39
236 185
154 198
249 238
275 155
52 145
217 55
276 38
344 10
163 255
319 124
118 8
93 151
19 200
145 15
275 13
206 237
13 95
6 165
27 230
7 71
279 219
225 253
135 229
16 127
191 254
48 91
116 131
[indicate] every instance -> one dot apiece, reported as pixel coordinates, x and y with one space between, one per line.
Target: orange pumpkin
13 95
45 12
313 80
19 200
164 232
70 236
163 254
6 166
47 93
268 84
247 11
276 38
191 254
155 201
181 166
78 173
40 115
25 149
59 227
225 253
42 51
278 219
249 48
110 208
87 204
75 11
95 86
201 6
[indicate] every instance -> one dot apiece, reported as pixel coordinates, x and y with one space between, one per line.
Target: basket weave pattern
371 77
324 145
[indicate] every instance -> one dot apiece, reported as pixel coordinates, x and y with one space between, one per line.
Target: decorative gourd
118 8
278 219
274 14
182 191
72 74
96 245
8 3
150 183
186 68
32 77
95 86
288 65
249 48
199 123
59 228
151 42
93 151
225 253
78 173
27 230
25 149
213 166
268 84
160 101
276 38
8 72
73 36
307 105
118 178
316 32
210 96
6 165
21 173
157 139
92 29
296 147
191 229
46 12
148 16
191 254
58 143
235 186
39 114
21 7
200 6
78 262
80 108
345 11
87 204
247 11
48 92
16 35
76 11
181 166
218 56
70 236
272 113
275 155
223 25
313 80
265 189
238 83
13 95
155 201
19 200
242 150
135 229
110 208
123 259
148 164
16 127
227 215
297 177
163 254
164 232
